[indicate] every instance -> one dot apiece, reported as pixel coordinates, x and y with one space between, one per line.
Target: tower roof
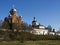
13 11
34 19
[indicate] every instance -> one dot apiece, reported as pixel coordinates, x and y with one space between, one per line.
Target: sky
47 12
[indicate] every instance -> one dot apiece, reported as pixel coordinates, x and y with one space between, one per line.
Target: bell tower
34 22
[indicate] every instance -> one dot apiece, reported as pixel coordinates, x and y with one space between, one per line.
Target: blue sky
47 12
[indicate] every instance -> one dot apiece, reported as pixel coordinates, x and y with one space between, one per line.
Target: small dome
20 16
10 15
6 18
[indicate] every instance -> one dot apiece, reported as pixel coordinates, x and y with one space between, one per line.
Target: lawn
41 42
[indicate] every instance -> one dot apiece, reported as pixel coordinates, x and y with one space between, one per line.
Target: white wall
40 32
52 33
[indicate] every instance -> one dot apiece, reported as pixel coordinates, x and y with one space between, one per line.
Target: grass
41 42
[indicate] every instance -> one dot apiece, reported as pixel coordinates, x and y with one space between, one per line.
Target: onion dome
34 20
13 11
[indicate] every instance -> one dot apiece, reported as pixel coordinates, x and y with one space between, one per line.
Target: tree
30 28
53 30
5 23
49 28
24 27
1 24
16 26
58 31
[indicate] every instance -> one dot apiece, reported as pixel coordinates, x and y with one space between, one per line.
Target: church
13 18
38 29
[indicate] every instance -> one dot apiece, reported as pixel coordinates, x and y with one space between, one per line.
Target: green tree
5 23
49 28
1 24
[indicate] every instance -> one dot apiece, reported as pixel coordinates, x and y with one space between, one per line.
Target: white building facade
39 29
40 32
